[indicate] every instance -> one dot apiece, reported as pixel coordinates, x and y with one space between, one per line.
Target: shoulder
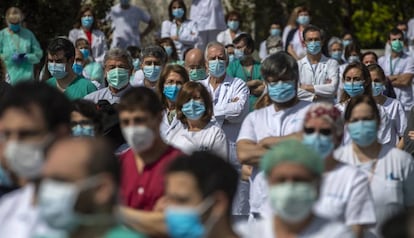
326 228
343 153
381 60
51 82
398 154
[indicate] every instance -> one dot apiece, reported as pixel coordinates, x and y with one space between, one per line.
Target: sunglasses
310 130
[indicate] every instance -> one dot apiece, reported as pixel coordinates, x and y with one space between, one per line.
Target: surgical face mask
136 62
281 92
5 179
185 222
233 25
363 133
171 92
336 55
139 138
303 20
178 13
77 68
275 32
85 53
118 78
87 21
25 159
377 88
346 42
321 144
397 46
168 50
197 74
57 201
217 68
314 47
57 70
353 59
231 58
14 27
152 72
239 54
354 88
193 109
83 130
292 202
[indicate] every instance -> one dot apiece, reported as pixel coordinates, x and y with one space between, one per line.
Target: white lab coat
98 46
224 37
166 128
106 94
209 14
401 65
187 34
392 179
263 50
324 77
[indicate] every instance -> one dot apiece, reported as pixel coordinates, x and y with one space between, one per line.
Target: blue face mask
282 92
135 63
171 92
354 89
239 54
152 72
345 43
231 58
197 74
336 55
321 144
168 50
377 89
14 27
363 133
77 68
353 59
193 109
57 70
275 32
314 47
217 68
184 223
85 52
87 21
303 20
233 25
83 130
178 13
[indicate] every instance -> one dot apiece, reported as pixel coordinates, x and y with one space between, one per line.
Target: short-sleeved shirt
77 89
142 190
125 23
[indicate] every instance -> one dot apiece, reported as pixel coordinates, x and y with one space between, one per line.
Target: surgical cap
292 151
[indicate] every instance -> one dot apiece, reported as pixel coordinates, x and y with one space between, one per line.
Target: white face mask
139 138
25 159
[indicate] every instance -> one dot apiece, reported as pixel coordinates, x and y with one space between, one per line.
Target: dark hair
140 98
169 41
53 104
154 51
186 94
369 53
134 51
365 76
247 39
303 9
61 44
82 40
395 31
355 101
378 69
347 33
85 8
211 173
353 47
88 109
312 28
163 77
182 5
234 13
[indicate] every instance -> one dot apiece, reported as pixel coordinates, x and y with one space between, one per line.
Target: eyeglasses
322 131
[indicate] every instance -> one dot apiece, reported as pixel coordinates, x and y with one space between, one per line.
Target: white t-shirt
323 76
391 179
397 66
349 200
298 44
263 123
210 138
125 23
318 228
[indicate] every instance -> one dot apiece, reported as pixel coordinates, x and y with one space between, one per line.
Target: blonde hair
14 15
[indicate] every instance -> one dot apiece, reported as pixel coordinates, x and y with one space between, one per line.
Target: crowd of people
195 136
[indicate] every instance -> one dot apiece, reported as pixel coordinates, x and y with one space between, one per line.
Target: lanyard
301 38
395 65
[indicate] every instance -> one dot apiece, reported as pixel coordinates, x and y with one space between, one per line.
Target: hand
161 204
254 83
411 135
246 172
328 81
15 57
268 142
235 99
22 56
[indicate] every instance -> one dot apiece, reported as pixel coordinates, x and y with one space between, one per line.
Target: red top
89 36
142 191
